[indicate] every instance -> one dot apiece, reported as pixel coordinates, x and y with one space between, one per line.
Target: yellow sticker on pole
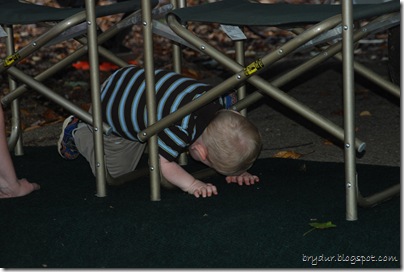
8 61
253 67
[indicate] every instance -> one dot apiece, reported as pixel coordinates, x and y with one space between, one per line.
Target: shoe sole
65 124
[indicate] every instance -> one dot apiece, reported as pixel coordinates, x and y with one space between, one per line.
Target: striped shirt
123 98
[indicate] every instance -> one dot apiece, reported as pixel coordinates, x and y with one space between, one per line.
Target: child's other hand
199 188
245 178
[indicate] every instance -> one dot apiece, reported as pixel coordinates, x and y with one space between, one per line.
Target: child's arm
176 175
245 178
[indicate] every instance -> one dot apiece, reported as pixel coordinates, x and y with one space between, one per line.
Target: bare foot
21 188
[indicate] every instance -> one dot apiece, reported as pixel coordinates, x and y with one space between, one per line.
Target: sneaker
230 99
66 146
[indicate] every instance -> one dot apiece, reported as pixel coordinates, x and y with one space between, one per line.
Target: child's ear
202 151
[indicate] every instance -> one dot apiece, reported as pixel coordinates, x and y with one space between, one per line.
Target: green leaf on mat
325 225
319 225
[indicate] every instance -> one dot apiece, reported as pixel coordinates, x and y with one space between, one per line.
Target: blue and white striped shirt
124 107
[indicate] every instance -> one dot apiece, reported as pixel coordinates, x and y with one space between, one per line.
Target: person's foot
66 146
21 187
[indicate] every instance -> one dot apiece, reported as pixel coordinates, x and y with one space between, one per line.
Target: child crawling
221 139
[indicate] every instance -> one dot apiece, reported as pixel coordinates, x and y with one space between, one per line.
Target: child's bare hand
206 191
245 178
199 188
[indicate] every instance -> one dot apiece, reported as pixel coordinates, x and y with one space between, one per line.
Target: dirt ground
377 119
284 133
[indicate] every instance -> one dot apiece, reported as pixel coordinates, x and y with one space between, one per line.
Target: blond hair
233 143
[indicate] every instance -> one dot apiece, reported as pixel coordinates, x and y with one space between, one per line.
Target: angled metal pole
96 99
349 111
154 165
240 58
15 140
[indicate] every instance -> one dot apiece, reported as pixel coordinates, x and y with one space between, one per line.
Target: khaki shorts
121 155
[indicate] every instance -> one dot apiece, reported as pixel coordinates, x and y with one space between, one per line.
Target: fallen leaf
50 115
104 67
25 112
320 225
85 106
107 67
328 142
31 128
365 113
287 155
325 225
81 65
190 73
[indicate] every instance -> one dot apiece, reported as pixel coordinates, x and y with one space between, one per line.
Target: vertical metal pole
15 137
242 91
177 66
177 56
154 166
96 99
349 111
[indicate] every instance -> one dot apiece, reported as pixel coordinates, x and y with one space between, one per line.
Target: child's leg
121 155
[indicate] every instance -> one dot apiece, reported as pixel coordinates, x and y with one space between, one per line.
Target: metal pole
154 165
96 99
15 140
177 66
240 58
349 111
177 56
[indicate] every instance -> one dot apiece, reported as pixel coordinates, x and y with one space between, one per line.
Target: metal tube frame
353 196
321 57
147 23
44 90
15 139
331 51
258 82
373 77
62 26
154 163
90 45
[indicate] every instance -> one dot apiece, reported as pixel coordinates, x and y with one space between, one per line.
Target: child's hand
199 188
245 178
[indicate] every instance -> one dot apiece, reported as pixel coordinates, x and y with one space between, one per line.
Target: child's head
233 143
